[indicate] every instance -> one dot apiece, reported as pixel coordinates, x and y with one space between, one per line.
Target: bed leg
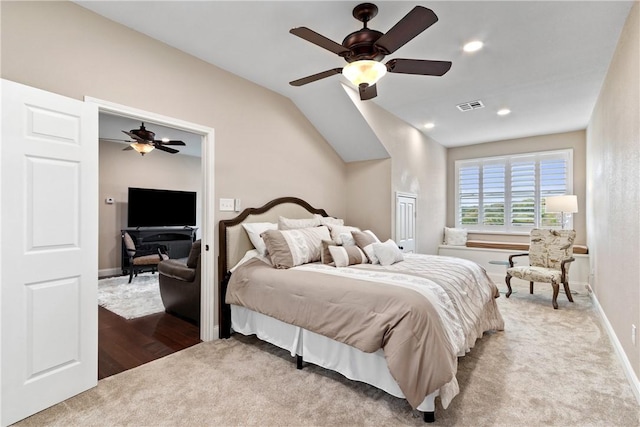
298 361
429 417
225 309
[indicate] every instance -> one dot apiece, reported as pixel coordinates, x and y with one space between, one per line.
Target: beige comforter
422 323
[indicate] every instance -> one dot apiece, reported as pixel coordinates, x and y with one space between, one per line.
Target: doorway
207 330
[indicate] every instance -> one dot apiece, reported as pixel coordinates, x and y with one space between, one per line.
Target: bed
399 327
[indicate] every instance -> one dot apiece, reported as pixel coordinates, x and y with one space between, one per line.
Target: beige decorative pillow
288 248
388 252
329 220
293 224
347 255
325 255
337 230
365 240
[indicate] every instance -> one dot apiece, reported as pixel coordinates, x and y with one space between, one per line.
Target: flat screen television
150 207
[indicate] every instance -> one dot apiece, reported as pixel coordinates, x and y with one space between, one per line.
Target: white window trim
507 159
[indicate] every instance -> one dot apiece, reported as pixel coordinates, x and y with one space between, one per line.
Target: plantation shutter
468 194
523 192
507 194
493 179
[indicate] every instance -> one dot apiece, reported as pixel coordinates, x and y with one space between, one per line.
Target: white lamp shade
565 204
365 71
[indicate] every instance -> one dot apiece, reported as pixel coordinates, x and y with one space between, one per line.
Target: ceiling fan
144 141
365 48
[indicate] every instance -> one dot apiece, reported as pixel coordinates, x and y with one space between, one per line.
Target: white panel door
48 258
406 222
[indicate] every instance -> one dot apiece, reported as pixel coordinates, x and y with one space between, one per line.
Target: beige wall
264 147
120 170
418 166
369 202
575 140
613 190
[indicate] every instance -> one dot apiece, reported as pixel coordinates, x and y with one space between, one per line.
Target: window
506 194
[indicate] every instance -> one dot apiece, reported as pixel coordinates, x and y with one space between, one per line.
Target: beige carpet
549 367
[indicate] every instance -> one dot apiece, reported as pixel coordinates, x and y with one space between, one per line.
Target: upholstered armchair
550 254
179 282
144 257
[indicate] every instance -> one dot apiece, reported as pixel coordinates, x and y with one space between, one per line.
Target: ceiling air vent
471 105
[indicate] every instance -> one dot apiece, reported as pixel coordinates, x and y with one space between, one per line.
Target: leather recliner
180 285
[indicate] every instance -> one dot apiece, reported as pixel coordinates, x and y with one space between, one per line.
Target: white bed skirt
370 368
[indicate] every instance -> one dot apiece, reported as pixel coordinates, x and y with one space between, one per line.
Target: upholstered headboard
234 242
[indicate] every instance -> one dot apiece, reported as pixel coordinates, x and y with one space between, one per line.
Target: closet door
406 222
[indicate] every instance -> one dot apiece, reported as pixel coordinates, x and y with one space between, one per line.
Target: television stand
178 241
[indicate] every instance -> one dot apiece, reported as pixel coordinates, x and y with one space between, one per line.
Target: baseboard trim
624 360
109 272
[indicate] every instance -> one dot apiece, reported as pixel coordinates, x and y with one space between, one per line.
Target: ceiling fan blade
172 142
414 22
367 92
167 149
423 67
313 78
134 136
319 40
115 140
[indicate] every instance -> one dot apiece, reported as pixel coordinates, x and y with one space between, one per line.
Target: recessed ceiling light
504 112
429 125
473 46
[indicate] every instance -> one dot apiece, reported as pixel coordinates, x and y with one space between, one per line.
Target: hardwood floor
124 344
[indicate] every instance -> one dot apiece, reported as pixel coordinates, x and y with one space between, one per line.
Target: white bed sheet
370 368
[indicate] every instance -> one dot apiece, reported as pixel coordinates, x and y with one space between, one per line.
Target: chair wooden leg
556 290
130 274
531 288
568 291
508 280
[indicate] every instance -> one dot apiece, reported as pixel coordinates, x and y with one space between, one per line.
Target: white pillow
347 239
388 252
347 255
455 236
337 230
295 223
329 220
254 230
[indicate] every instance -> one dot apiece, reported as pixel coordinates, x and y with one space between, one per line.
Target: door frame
208 329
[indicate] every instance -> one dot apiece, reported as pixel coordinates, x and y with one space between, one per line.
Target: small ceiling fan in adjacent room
365 48
143 141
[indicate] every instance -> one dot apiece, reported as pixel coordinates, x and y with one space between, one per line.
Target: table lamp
563 204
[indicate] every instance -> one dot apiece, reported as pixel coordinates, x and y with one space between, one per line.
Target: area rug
139 298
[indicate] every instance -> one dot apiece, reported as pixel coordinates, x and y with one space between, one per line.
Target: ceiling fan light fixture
365 71
141 147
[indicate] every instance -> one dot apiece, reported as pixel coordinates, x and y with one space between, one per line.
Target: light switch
227 205
238 205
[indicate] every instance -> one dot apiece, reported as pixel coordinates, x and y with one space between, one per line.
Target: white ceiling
545 61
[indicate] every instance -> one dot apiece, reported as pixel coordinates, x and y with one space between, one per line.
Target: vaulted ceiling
545 61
